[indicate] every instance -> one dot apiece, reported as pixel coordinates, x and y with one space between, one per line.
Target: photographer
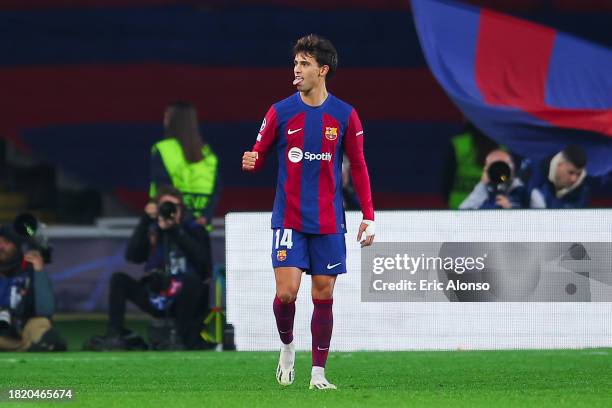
173 247
464 163
498 186
26 297
559 181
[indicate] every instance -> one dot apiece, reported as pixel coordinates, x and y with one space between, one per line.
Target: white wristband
371 227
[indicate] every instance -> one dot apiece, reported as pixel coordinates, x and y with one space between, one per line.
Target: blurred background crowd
87 84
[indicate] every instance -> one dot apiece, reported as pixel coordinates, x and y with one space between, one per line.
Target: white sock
287 355
317 372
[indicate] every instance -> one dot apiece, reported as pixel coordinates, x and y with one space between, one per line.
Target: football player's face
308 74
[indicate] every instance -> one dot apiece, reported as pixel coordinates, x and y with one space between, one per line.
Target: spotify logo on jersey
295 155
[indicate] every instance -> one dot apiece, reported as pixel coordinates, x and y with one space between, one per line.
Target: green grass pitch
547 378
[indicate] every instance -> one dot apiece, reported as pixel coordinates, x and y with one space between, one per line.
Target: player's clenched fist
248 161
367 227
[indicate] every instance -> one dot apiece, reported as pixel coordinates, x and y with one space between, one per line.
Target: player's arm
254 159
353 147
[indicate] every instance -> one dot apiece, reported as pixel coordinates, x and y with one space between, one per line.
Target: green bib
195 180
468 172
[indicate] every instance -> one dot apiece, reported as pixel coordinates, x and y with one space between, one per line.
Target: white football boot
318 380
285 373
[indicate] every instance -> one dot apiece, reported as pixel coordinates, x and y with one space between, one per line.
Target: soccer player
311 130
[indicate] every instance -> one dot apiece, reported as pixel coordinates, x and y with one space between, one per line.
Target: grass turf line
547 378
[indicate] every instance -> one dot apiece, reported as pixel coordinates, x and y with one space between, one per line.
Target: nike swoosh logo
290 132
359 133
284 332
322 349
333 266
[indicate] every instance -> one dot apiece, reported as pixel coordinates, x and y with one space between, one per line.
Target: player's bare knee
322 288
322 293
287 296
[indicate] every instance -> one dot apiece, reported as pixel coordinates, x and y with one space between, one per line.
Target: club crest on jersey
281 254
331 133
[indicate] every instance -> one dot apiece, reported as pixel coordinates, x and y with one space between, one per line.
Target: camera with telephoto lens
500 175
35 238
167 210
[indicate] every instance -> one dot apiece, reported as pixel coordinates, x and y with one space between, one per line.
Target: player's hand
248 160
366 227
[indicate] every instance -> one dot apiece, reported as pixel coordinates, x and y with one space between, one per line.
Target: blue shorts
314 253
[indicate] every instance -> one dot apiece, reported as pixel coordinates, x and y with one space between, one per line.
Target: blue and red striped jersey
310 143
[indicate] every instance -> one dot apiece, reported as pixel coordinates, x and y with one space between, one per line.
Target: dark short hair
321 49
167 189
576 155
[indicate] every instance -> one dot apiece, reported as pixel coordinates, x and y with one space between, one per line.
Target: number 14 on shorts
286 239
